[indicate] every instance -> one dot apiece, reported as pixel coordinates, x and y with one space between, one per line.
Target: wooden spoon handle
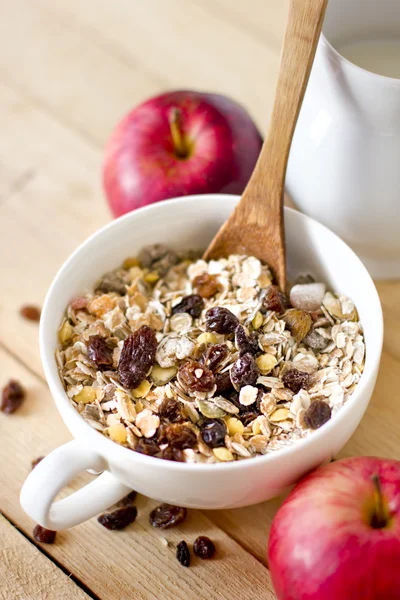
299 47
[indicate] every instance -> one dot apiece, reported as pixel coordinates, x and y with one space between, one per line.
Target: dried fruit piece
183 554
296 380
317 414
178 435
223 382
206 285
213 433
223 454
43 535
171 453
158 257
137 357
214 355
248 416
30 312
13 396
203 547
298 322
244 372
128 499
307 296
147 447
36 461
170 410
195 377
192 304
246 343
315 340
111 282
99 352
161 376
266 362
274 299
118 519
165 516
221 320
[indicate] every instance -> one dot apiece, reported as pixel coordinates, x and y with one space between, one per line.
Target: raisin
170 409
206 285
221 320
183 553
137 357
246 344
203 547
36 461
171 453
296 380
244 372
195 377
274 299
43 535
79 303
165 516
129 499
178 435
214 355
223 382
317 414
213 432
248 416
99 352
158 257
12 397
147 446
118 519
29 312
193 305
111 282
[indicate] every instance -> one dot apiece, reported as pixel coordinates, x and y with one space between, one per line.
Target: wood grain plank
26 573
130 564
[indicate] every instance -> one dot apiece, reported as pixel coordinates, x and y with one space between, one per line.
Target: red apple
176 144
337 536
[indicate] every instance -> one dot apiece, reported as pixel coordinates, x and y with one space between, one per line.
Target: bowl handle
54 472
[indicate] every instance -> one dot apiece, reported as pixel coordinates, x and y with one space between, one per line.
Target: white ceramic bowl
189 223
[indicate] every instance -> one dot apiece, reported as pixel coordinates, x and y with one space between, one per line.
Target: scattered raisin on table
30 312
43 535
183 553
203 547
221 320
317 414
193 305
195 377
137 357
224 383
213 432
171 453
206 285
12 396
274 299
178 435
246 344
165 516
36 461
111 282
213 356
296 380
147 446
99 352
244 371
170 409
129 499
118 519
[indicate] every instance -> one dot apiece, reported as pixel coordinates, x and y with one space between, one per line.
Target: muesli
196 361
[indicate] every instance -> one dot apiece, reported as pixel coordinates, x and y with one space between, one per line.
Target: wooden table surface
68 71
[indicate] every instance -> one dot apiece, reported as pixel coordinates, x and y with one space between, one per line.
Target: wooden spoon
256 226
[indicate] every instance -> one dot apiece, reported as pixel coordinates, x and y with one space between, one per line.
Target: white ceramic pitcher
344 167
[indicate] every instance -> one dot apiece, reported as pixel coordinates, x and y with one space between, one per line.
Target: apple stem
178 140
379 518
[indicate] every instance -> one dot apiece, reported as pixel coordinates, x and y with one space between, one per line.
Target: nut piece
147 422
298 322
161 376
266 362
